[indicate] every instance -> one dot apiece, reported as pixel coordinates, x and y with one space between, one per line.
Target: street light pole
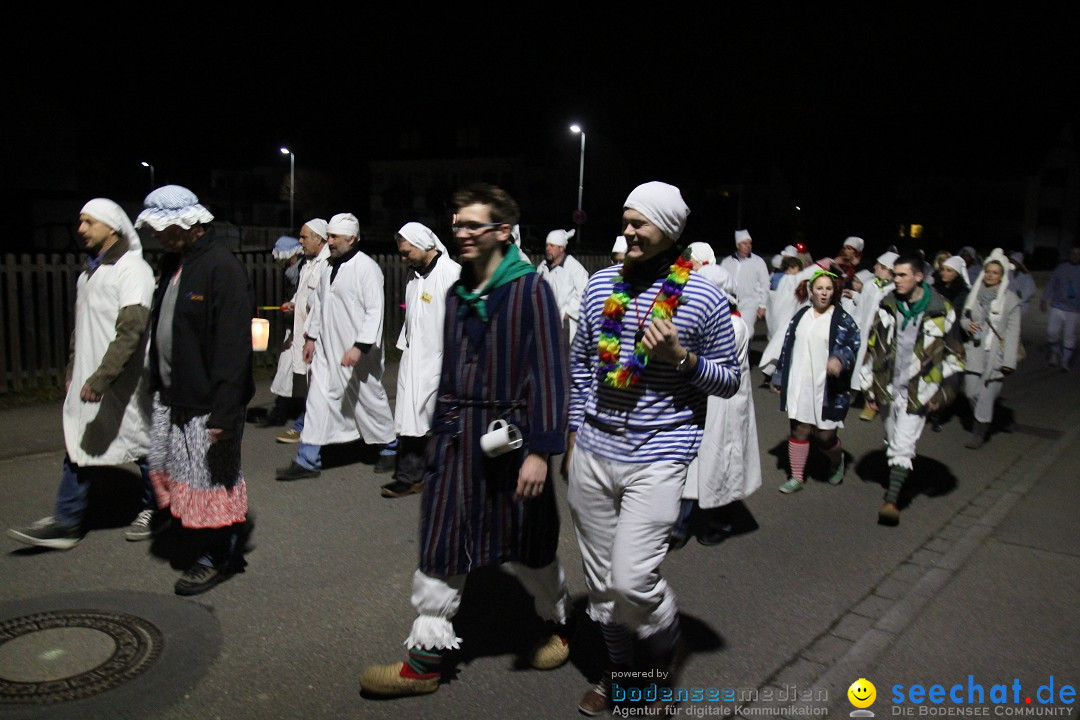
581 165
292 181
148 165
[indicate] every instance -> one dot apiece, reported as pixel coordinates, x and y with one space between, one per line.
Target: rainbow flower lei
627 374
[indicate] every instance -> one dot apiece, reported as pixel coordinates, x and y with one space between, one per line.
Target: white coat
115 430
345 404
728 464
751 284
866 308
421 345
291 361
567 281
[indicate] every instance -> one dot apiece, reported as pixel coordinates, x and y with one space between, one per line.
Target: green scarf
909 311
512 267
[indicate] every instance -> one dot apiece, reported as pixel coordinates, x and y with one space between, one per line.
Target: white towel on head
957 263
421 236
318 226
741 235
560 237
172 205
620 245
114 216
662 204
343 224
855 242
702 253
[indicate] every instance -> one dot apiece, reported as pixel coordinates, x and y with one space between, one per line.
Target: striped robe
512 367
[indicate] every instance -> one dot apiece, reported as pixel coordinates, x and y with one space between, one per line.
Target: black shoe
274 420
400 488
385 464
47 533
296 471
715 535
200 578
677 542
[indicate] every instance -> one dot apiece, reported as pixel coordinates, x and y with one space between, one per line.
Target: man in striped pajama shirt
640 381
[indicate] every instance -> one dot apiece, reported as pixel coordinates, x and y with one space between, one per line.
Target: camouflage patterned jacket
938 356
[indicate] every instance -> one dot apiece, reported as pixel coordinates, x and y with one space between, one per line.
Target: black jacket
211 356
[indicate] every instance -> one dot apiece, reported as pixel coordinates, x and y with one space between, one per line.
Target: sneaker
139 529
597 699
715 535
200 578
888 514
792 485
552 651
387 681
47 533
868 413
290 437
385 464
837 475
296 471
400 488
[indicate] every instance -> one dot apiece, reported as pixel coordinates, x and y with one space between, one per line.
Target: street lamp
148 165
292 180
581 166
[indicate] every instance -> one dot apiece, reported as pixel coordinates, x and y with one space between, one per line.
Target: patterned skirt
202 484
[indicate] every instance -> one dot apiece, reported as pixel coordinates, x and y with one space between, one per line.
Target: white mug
501 437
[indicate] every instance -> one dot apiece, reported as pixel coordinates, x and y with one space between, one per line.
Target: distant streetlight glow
292 182
148 165
576 129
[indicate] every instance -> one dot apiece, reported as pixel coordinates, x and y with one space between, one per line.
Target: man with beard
751 279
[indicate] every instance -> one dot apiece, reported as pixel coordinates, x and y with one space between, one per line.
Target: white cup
501 438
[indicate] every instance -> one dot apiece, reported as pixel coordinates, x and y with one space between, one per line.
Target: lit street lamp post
581 165
292 181
148 165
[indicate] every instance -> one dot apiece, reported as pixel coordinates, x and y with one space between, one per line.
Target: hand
933 406
88 394
351 357
288 307
834 367
309 350
565 467
761 314
218 435
662 341
532 477
973 327
871 404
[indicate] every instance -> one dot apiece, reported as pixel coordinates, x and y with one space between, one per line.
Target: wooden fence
37 311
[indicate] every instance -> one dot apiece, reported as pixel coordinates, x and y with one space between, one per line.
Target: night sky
840 105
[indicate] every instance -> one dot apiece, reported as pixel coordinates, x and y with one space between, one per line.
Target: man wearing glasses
503 363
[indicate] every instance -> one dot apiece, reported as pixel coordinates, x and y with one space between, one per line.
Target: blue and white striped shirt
662 417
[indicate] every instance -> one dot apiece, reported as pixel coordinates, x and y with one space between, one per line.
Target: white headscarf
702 252
662 204
998 305
343 224
957 263
619 246
741 235
108 212
318 226
721 277
855 242
172 205
421 236
888 259
560 237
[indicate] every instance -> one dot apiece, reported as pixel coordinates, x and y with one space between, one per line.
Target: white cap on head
741 235
721 277
620 245
957 263
856 243
343 224
421 236
662 204
702 252
318 226
776 261
108 212
888 259
171 205
789 251
864 276
560 237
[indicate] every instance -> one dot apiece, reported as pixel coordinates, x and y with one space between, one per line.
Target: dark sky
837 102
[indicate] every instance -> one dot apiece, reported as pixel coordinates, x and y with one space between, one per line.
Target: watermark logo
862 694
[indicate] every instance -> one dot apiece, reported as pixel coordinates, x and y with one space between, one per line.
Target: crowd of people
639 376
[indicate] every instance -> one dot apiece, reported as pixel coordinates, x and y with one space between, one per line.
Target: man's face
847 253
413 255
554 253
93 232
310 241
478 243
643 239
175 238
883 271
340 244
906 279
744 247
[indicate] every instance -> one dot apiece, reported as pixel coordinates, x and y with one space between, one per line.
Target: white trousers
982 395
437 599
623 514
902 432
1061 327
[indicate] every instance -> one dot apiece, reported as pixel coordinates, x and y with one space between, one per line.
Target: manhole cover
72 654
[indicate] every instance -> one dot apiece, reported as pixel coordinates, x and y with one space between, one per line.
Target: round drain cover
72 654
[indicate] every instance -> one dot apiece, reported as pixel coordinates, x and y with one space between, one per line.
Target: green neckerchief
909 311
511 268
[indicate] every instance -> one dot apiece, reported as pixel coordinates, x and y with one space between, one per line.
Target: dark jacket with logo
211 356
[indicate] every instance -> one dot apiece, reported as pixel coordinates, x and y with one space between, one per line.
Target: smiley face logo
862 693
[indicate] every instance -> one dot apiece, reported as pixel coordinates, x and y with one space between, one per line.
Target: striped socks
421 664
797 452
897 476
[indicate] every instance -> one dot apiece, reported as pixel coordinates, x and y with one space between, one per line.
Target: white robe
567 280
344 404
751 284
807 372
786 304
115 430
728 464
866 308
421 345
291 361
